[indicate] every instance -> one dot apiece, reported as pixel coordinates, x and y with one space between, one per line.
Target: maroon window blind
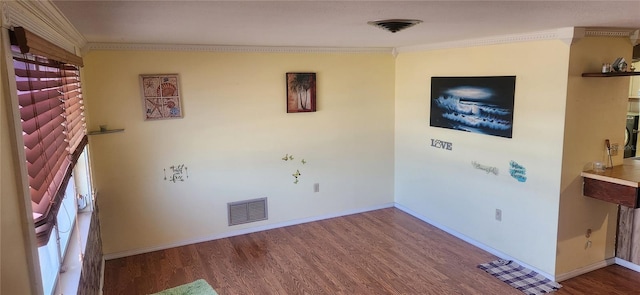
54 132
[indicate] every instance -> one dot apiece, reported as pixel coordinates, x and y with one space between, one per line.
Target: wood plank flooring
379 252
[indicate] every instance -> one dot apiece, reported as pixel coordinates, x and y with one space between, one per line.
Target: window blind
52 118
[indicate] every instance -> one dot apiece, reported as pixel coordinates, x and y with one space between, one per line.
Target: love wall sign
436 143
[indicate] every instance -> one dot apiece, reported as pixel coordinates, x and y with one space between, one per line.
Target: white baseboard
627 264
583 270
243 231
473 242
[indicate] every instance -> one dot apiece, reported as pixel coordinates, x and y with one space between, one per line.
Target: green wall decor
287 157
297 174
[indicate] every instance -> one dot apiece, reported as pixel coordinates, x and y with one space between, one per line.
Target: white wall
236 131
596 110
443 185
232 138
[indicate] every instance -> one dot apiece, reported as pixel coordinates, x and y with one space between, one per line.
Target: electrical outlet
614 149
316 187
587 245
498 215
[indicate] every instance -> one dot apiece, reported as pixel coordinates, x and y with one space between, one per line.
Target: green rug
199 287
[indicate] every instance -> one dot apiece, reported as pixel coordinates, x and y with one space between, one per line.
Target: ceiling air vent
395 25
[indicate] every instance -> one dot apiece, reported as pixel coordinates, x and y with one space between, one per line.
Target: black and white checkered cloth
519 277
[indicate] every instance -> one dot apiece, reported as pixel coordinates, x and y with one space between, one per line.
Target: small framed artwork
161 96
301 92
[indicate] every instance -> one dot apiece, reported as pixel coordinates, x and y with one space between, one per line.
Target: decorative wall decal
441 144
297 174
517 171
177 173
161 96
488 169
287 157
301 92
474 104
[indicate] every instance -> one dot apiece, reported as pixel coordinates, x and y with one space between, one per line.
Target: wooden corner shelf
611 74
99 132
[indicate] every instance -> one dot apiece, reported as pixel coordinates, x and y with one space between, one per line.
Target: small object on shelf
103 128
105 131
622 67
608 146
619 65
599 167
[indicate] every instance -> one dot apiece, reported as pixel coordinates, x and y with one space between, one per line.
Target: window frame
81 221
51 108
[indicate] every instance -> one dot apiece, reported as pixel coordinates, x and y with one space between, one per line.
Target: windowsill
69 279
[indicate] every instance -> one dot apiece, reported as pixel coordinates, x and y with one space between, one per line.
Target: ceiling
332 23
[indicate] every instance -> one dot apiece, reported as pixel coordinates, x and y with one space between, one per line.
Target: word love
436 143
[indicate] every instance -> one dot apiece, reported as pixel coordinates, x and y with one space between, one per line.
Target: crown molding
228 48
609 32
568 35
494 40
44 19
627 33
635 37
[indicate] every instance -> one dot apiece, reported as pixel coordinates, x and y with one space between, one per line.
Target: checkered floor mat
519 277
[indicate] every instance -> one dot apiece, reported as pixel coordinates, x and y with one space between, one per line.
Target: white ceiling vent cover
247 211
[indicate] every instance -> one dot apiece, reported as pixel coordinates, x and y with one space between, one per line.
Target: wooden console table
620 185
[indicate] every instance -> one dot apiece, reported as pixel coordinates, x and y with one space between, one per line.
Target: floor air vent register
247 211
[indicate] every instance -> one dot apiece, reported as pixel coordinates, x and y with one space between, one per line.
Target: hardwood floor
379 252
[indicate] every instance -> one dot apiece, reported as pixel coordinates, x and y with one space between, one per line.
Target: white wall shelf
99 132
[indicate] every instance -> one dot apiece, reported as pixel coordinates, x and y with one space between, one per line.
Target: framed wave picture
474 104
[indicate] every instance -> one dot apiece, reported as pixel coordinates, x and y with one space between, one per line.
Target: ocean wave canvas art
474 104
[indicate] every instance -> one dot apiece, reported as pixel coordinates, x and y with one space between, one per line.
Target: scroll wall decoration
485 168
176 173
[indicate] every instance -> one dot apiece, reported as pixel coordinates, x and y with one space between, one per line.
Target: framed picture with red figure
301 92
